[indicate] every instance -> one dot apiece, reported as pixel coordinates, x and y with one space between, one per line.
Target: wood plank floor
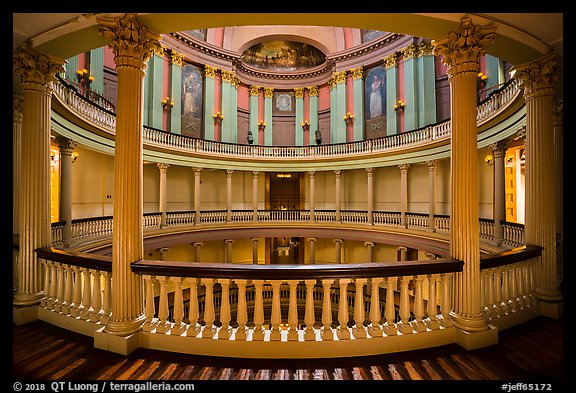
532 351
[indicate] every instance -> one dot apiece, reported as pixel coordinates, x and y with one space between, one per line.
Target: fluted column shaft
229 195
37 72
403 192
197 195
462 49
369 193
16 161
432 164
255 195
132 45
338 203
499 152
163 168
538 79
312 195
66 147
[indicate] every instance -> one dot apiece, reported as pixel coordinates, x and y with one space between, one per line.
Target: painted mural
376 93
283 55
192 88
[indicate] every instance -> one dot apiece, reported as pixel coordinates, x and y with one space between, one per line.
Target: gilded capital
131 42
340 77
176 58
36 70
268 92
391 60
228 76
313 91
412 50
65 145
299 92
210 71
538 77
357 73
162 166
463 47
254 90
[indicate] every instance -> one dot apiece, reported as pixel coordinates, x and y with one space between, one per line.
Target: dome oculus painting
283 55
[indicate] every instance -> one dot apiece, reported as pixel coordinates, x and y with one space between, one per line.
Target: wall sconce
489 159
261 125
349 118
482 76
74 156
399 106
305 125
218 117
167 102
54 156
84 76
509 159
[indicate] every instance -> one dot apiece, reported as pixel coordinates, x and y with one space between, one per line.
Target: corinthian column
538 79
132 45
66 147
461 50
37 72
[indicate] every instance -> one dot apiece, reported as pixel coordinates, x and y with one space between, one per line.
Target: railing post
432 320
276 318
359 331
258 333
375 329
418 324
225 329
390 310
404 325
150 323
293 312
193 314
309 318
179 326
242 312
209 328
446 280
96 296
327 333
163 323
77 296
86 295
343 331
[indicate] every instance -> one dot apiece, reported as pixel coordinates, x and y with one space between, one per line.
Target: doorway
283 192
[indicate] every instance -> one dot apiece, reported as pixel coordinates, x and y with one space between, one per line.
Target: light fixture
399 106
305 125
284 175
349 118
489 159
167 101
74 156
218 117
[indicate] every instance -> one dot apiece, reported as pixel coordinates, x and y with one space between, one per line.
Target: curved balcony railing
288 311
100 227
106 120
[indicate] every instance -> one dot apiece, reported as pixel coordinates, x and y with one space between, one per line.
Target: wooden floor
529 352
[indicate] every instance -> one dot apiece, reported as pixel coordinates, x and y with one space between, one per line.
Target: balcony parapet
432 135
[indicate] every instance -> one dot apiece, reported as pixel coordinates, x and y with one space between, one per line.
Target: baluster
52 294
505 291
150 323
59 288
404 325
77 296
242 311
418 324
179 327
86 295
193 313
497 307
258 333
225 329
343 332
107 304
490 307
276 318
163 323
309 318
375 329
293 312
96 297
209 328
390 311
359 330
432 320
327 333
520 284
445 281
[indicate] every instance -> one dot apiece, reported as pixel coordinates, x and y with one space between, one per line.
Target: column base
122 345
553 310
22 315
478 339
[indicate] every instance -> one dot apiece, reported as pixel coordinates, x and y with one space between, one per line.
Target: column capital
337 172
370 171
229 172
132 43
197 244
337 241
197 170
369 244
65 145
36 70
499 148
299 92
312 239
162 166
463 47
162 250
268 92
312 173
432 164
255 174
404 167
254 90
229 241
538 77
